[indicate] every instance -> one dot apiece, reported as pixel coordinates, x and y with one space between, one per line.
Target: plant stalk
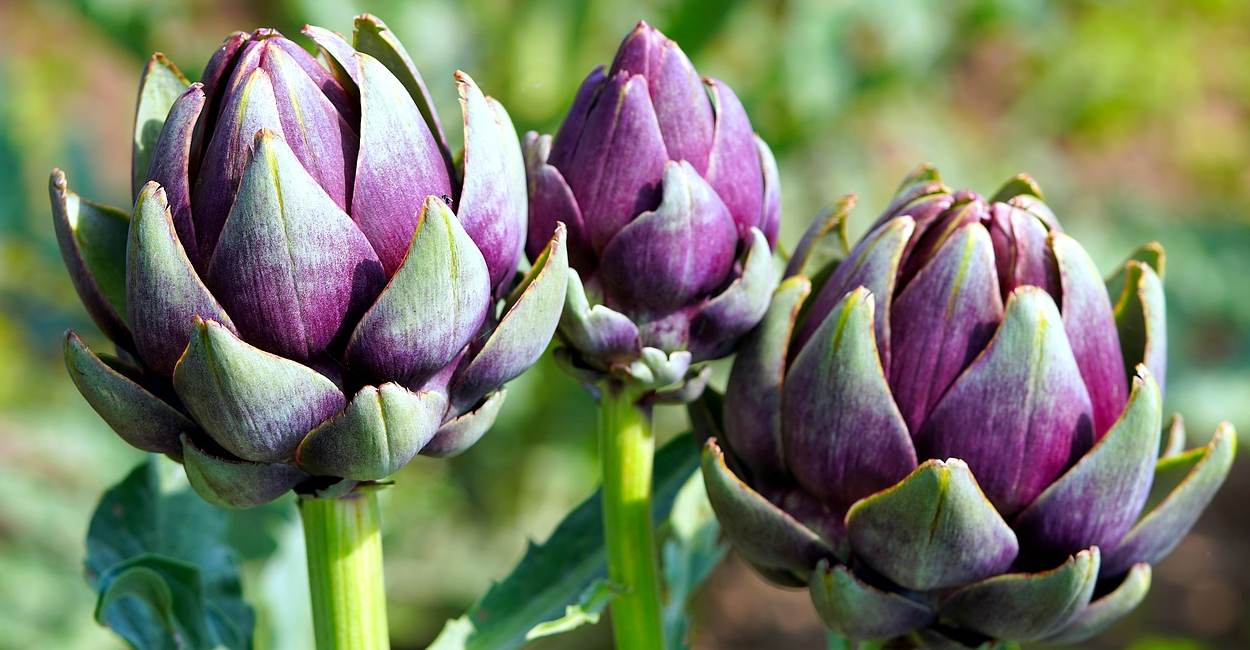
343 538
627 450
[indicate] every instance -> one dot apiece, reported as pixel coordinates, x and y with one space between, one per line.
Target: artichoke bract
952 431
671 203
310 289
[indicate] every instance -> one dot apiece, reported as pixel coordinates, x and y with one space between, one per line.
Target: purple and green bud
952 430
310 287
671 204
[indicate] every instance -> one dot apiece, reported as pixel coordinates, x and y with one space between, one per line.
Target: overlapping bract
952 430
672 207
310 288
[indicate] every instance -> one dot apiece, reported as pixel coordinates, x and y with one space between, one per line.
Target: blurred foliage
157 555
562 583
1133 114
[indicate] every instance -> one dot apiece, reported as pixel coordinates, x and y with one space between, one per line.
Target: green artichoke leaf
159 86
932 530
140 418
464 430
232 483
687 390
655 368
558 573
860 611
1141 319
755 382
842 433
92 237
158 559
531 315
1020 184
1173 441
1151 254
922 184
734 312
771 539
824 241
1102 613
1112 479
379 432
596 328
256 405
445 276
922 175
1183 486
374 38
1026 606
164 292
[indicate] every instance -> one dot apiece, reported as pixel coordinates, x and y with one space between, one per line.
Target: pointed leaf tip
444 274
932 530
164 293
93 239
256 405
767 536
1182 488
377 434
860 611
1026 606
525 330
159 86
843 435
234 483
137 415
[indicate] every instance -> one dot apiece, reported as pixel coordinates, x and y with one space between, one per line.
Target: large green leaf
157 557
562 572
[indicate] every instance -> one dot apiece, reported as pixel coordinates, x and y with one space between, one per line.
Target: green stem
343 538
627 449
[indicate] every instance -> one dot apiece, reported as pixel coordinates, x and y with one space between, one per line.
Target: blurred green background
1134 116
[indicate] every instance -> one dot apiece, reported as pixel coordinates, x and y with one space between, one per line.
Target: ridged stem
343 538
627 450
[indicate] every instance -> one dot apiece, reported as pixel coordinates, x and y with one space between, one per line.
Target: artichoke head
672 206
951 432
310 289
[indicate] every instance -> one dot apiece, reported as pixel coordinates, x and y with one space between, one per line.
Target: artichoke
671 203
950 435
310 289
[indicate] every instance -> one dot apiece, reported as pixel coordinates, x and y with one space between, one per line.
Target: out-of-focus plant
310 290
157 557
671 204
563 583
951 432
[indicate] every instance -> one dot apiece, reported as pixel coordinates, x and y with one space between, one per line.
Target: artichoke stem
343 537
627 449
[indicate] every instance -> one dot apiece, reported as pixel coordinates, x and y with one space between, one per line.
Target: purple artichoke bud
672 206
957 422
309 288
